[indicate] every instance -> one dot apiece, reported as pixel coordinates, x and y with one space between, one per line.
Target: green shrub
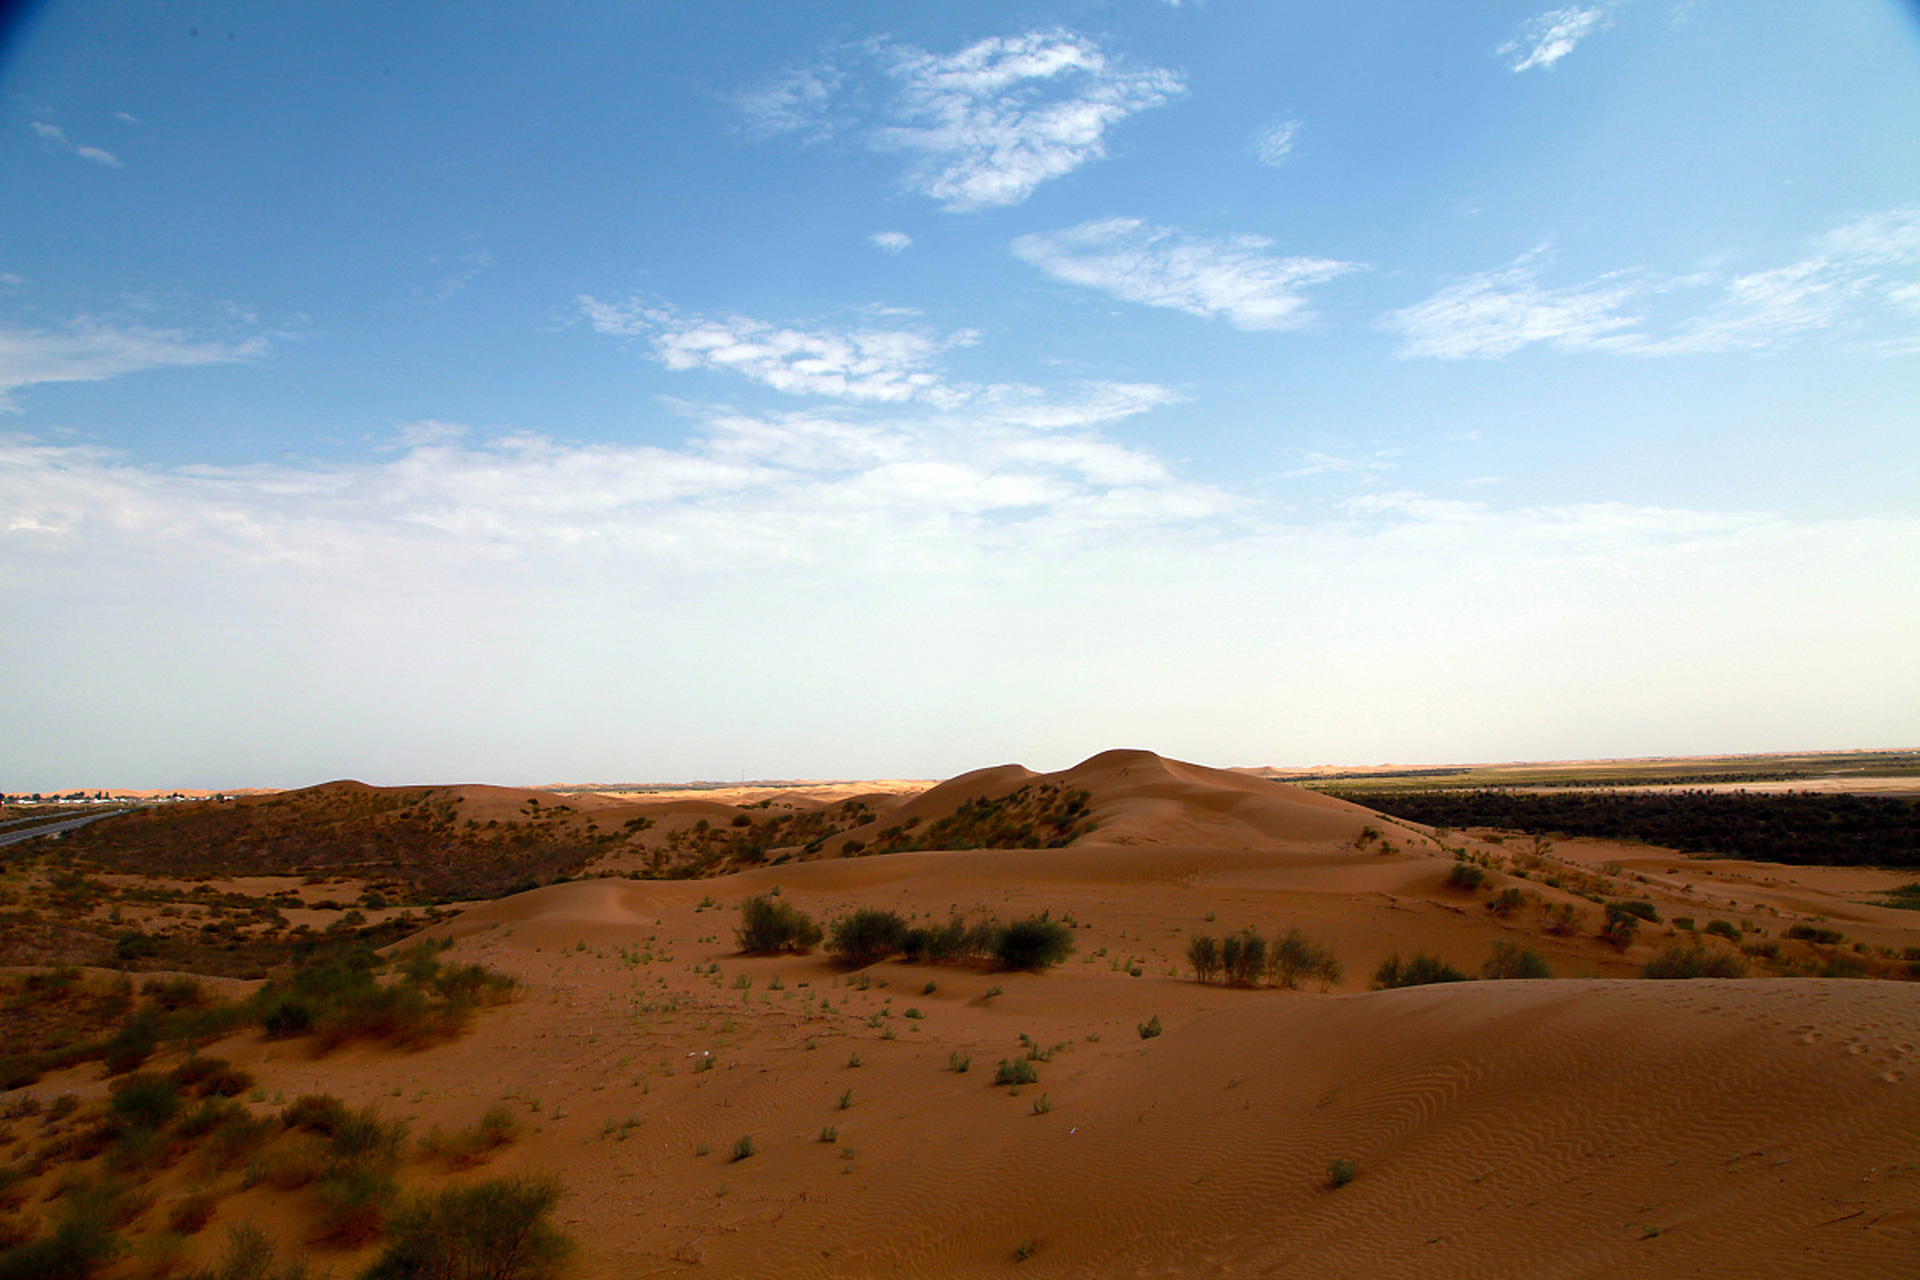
249 1256
498 1229
1243 958
1621 925
1725 929
1693 962
144 1101
742 1148
1203 954
190 1214
1016 1072
1295 959
1033 943
1339 1173
768 926
1636 907
866 936
134 1043
1511 960
1465 875
211 1078
1811 933
354 1204
81 1242
1506 902
1419 971
1150 1028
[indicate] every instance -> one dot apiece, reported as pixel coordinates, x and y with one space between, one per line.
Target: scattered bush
1511 960
81 1242
1811 933
866 936
1693 962
354 1204
1339 1173
144 1101
1033 943
1621 925
1150 1028
1636 907
1725 929
1421 970
492 1230
1243 958
475 1144
1203 954
1506 902
1565 919
1016 1072
1465 875
1295 959
769 926
742 1149
133 1044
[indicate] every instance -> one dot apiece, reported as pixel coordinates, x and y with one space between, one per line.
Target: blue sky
618 392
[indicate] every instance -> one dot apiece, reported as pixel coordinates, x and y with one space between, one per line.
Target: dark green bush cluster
1421 970
498 1229
769 926
1694 962
1511 960
1036 816
1813 933
1465 875
872 934
1245 958
343 999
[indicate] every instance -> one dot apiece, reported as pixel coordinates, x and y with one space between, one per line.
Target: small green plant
1339 1173
742 1149
1150 1028
1694 962
853 1060
1511 960
1725 929
1465 875
1042 1105
498 1228
767 927
993 991
846 1099
1033 943
958 1062
1016 1072
1421 970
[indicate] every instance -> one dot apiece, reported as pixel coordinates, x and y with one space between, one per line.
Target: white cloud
1856 281
1235 278
127 118
1273 144
890 241
864 364
796 102
981 127
89 351
990 123
54 134
1498 312
1551 36
518 608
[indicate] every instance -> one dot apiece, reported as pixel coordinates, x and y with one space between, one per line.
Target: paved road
14 837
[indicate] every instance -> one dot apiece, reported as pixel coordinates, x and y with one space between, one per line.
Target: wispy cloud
1546 39
1235 278
1273 144
54 135
797 103
862 364
1854 281
1370 466
90 351
981 127
890 241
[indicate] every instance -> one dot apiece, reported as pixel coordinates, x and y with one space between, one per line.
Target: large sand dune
1594 1125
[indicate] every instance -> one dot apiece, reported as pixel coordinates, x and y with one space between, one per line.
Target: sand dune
1593 1125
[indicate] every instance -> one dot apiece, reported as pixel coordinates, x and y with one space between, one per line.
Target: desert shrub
320 1113
1812 933
190 1214
174 993
1294 959
1725 929
144 1100
133 1043
211 1078
239 1134
498 1229
286 1015
1636 907
292 1164
363 1140
1243 958
81 1242
1150 1028
1033 943
866 936
1203 954
1339 1173
1564 919
1016 1072
249 1256
1621 925
473 1145
1422 970
742 1149
354 1204
1506 902
1465 875
1511 960
768 925
1693 962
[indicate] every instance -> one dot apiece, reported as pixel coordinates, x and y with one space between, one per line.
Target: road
14 837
